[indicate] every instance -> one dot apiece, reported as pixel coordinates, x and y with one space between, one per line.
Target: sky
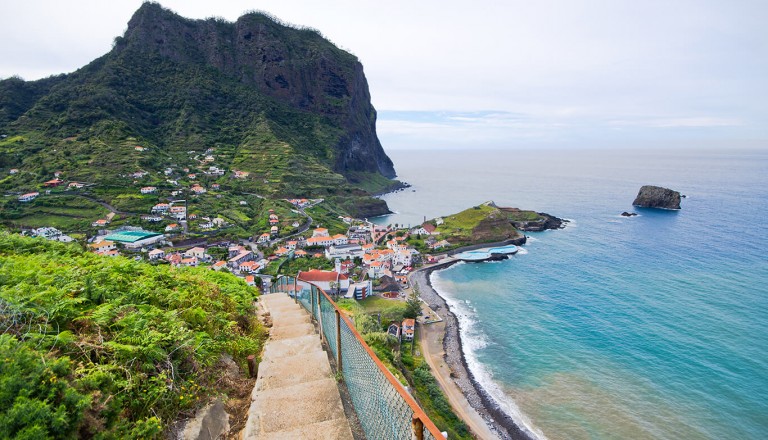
489 73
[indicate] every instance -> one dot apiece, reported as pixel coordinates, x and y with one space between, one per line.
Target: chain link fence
385 409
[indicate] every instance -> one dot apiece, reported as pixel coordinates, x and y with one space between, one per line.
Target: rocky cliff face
651 196
297 67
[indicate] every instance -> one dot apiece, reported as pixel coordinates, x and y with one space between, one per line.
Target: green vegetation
403 360
65 212
290 134
485 223
108 347
295 265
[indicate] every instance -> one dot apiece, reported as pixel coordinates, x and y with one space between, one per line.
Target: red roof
316 275
429 227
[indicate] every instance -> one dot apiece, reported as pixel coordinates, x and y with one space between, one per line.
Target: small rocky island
657 197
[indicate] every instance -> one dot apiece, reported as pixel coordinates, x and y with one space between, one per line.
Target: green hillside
95 347
280 103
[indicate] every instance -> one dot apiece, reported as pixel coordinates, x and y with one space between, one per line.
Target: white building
344 252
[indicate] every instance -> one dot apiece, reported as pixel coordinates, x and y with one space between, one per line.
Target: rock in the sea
628 214
657 197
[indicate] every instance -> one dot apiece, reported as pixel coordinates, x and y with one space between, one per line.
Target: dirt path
431 338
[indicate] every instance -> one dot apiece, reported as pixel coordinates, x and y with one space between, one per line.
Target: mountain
256 95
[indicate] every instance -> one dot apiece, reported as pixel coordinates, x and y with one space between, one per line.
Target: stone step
289 408
329 429
291 370
276 299
291 331
289 319
291 346
283 310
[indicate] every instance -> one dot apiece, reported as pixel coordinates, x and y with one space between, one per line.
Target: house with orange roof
102 246
300 253
340 239
28 197
100 222
148 189
161 207
263 238
291 245
240 258
109 253
249 267
189 262
53 183
408 329
250 280
319 241
172 227
281 251
325 279
219 265
320 232
378 269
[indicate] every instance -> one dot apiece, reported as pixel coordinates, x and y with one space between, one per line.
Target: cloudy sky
490 73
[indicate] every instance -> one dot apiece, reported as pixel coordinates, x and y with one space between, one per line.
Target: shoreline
478 398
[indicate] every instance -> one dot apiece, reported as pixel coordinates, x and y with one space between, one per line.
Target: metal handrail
421 425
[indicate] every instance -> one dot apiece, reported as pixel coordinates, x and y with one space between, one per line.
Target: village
356 261
368 259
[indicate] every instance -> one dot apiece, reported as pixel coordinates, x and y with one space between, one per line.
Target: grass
465 221
67 213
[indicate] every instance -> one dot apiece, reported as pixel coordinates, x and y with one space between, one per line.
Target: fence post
338 340
320 314
295 292
418 428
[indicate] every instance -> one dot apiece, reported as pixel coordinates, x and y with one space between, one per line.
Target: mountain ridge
280 102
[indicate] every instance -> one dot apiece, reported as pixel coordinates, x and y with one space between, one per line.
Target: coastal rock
651 196
543 223
628 214
209 423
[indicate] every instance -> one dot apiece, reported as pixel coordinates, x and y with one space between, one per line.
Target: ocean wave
473 339
522 251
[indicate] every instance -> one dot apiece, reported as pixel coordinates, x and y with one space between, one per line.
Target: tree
413 304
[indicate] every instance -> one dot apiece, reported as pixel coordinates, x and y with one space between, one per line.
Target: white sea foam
522 251
472 340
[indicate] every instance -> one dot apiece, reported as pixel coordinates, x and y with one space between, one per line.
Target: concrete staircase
296 396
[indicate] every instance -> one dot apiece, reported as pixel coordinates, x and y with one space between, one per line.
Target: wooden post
253 369
338 340
295 292
418 428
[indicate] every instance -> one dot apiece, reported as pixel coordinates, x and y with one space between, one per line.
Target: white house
28 197
156 254
102 246
320 232
325 279
344 252
197 252
340 239
148 190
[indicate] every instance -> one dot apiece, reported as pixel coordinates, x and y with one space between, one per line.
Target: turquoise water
654 326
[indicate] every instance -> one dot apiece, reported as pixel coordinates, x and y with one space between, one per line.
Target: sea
645 327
